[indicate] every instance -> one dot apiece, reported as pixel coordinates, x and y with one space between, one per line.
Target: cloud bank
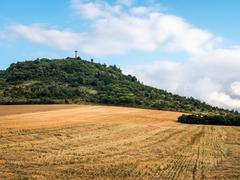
212 76
210 72
117 29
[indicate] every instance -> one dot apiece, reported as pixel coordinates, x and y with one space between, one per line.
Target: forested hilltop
73 80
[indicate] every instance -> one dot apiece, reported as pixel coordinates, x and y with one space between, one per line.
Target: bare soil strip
104 142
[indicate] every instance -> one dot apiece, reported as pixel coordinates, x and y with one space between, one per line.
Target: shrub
229 119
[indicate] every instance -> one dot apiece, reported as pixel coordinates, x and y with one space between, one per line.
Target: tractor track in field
104 142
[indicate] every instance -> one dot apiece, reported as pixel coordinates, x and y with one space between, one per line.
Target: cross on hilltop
76 53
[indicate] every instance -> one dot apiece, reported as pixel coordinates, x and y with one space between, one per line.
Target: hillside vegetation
73 80
227 120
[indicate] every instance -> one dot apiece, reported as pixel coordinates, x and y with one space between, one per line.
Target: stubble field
103 142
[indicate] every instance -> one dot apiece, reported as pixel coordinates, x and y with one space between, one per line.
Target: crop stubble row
106 142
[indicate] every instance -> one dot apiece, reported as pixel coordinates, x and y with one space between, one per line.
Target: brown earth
103 142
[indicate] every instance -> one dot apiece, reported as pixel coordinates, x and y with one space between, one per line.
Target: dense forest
73 80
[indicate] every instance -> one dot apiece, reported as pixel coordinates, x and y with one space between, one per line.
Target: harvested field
21 109
104 142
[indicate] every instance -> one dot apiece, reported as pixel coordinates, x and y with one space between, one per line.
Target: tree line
227 119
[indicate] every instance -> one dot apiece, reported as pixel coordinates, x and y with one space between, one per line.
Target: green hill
73 80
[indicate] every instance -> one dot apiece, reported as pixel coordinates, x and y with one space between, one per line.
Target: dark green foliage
227 119
73 80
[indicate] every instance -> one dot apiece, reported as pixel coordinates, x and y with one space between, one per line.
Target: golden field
104 142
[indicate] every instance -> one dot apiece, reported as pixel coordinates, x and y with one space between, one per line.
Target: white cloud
235 88
140 10
94 10
64 40
212 76
224 100
118 30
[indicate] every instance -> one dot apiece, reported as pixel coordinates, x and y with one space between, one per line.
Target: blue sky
218 17
171 44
